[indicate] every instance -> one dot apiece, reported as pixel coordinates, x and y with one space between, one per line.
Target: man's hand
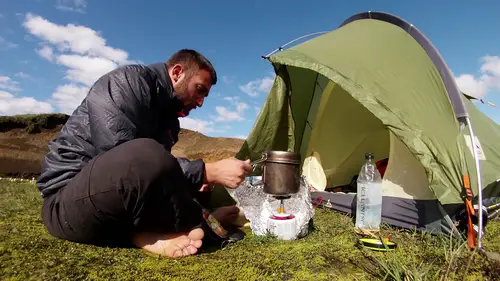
228 172
206 187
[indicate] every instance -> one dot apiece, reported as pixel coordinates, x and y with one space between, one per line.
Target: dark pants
136 186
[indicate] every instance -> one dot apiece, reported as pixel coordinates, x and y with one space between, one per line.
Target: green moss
329 252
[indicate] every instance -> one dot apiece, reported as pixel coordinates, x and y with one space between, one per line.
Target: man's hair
192 60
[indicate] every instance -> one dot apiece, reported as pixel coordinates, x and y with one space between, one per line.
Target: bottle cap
369 156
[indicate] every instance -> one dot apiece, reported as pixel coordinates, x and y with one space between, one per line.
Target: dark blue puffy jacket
130 102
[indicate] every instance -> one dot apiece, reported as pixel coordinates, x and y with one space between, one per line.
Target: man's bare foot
226 215
173 245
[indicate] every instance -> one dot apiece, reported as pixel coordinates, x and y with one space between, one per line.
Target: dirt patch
24 140
22 153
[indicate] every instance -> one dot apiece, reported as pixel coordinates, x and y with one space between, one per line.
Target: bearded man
109 177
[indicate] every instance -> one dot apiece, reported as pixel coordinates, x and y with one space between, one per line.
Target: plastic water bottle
369 196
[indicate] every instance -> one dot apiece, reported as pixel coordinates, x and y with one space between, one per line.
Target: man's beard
181 93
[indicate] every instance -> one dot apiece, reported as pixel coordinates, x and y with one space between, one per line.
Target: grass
28 252
33 123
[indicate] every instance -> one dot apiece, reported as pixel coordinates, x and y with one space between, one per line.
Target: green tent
376 84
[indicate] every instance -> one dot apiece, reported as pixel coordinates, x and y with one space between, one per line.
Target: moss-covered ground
329 252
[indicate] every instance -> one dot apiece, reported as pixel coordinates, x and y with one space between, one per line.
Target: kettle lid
287 157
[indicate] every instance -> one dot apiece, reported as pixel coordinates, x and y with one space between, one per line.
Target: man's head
192 77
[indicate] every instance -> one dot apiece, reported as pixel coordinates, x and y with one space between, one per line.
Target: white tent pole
298 38
479 183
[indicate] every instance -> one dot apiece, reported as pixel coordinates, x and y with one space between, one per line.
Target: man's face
192 87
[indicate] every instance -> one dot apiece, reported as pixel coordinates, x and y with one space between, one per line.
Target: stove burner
282 197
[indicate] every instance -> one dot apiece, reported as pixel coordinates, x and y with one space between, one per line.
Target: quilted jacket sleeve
194 170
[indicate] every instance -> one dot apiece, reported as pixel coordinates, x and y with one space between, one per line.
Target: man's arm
194 170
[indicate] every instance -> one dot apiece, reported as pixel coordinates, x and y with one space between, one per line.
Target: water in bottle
369 196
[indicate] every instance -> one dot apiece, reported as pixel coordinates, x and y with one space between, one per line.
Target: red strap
320 199
471 233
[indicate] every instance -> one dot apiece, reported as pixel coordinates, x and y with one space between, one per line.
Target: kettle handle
258 162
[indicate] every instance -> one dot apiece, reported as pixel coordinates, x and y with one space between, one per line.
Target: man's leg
136 187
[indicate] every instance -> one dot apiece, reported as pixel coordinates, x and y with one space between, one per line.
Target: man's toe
196 243
192 249
196 234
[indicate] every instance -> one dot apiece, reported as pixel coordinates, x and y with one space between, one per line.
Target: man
109 177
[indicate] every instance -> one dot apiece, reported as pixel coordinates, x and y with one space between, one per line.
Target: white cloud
81 50
468 84
6 83
240 137
69 96
197 125
487 81
75 38
11 105
227 79
6 45
22 75
232 99
257 86
71 5
46 52
85 69
226 115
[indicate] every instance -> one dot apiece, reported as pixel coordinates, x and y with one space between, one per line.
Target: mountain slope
24 139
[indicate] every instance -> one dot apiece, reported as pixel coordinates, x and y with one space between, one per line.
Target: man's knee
144 146
135 164
149 156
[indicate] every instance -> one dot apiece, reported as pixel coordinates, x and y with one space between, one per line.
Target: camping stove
281 223
281 179
281 209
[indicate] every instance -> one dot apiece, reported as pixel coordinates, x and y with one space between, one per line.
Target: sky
52 51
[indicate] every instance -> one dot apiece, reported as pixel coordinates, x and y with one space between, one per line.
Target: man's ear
176 72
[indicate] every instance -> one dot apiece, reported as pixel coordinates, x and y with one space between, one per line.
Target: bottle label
369 205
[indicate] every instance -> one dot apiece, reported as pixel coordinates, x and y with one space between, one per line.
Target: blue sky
51 51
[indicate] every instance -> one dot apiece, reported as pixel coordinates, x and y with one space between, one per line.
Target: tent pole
479 183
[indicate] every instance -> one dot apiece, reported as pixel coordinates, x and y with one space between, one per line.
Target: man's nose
199 102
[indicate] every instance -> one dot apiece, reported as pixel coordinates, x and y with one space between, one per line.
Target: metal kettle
280 172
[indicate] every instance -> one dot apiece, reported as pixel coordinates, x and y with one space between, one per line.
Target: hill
24 139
